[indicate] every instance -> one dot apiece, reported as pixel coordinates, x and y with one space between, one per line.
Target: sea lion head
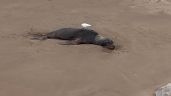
105 42
108 43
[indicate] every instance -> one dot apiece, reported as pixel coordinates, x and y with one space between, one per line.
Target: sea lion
77 36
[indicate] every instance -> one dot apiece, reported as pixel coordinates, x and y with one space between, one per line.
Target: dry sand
44 68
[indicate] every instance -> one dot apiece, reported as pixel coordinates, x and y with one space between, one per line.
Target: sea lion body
84 35
79 36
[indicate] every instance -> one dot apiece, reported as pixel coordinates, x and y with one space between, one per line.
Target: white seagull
86 26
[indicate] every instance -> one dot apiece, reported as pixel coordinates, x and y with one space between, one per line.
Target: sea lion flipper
37 36
65 43
72 42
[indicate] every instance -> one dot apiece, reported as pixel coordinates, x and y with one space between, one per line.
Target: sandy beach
45 68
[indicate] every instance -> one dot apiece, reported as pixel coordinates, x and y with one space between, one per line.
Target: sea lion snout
111 47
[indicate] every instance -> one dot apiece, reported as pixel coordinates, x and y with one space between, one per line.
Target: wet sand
45 68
